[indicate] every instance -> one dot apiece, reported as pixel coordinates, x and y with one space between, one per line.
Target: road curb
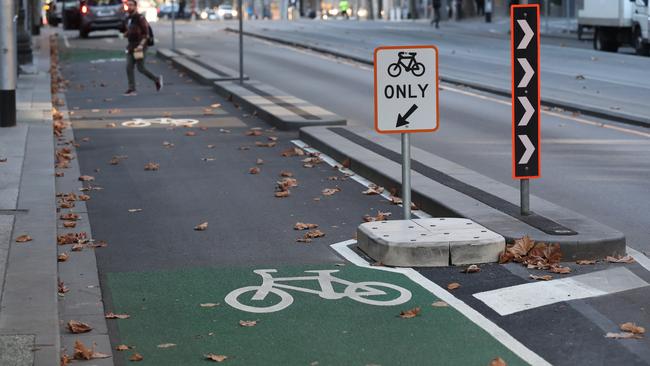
594 111
445 189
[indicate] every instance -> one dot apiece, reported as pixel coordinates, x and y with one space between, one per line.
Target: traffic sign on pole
406 89
525 91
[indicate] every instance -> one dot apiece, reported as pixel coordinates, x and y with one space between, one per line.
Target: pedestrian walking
480 7
137 34
436 13
181 9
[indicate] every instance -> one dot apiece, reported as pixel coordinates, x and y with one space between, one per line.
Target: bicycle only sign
406 89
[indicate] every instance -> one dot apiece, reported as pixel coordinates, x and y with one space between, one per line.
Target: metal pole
525 196
406 175
8 64
173 26
241 42
548 14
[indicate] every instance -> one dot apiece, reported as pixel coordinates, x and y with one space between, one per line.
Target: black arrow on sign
402 120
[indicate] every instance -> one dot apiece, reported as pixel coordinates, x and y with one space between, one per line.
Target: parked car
208 14
62 11
165 11
226 11
102 15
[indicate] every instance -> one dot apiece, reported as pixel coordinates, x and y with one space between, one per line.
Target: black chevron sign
525 91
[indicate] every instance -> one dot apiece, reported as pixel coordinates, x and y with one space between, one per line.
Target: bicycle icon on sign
176 122
416 68
362 292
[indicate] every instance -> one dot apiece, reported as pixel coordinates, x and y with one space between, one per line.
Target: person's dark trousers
480 7
436 16
131 63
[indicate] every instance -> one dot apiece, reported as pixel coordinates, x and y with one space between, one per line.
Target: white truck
616 22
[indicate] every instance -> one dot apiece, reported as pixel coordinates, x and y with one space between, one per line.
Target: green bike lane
160 271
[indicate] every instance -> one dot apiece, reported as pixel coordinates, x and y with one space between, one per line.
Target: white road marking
513 299
65 41
494 330
639 258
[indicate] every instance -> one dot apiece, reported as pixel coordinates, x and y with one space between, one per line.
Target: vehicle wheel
605 41
83 34
641 48
580 31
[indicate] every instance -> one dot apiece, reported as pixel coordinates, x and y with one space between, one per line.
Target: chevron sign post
525 96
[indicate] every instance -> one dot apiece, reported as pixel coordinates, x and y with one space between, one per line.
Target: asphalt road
595 167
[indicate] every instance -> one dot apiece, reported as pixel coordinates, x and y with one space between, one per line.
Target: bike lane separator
343 249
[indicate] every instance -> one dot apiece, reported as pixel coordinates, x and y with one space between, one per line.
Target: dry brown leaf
77 327
69 216
136 357
411 313
59 174
304 226
216 358
111 125
81 352
86 178
122 347
209 305
267 144
373 189
453 286
254 170
71 238
303 240
23 238
151 166
202 226
346 163
395 200
330 191
190 133
381 216
547 253
560 269
498 362
78 247
84 197
311 234
471 269
272 138
287 183
542 278
248 323
116 316
620 259
253 132
623 335
62 257
166 345
282 194
293 151
632 328
286 174
440 304
65 360
583 262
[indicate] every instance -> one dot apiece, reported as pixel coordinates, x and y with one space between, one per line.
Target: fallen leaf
541 278
623 335
151 166
293 151
78 247
287 183
632 328
440 304
453 286
330 191
71 238
381 216
122 347
267 144
254 170
84 197
215 105
62 288
253 132
116 316
286 174
411 313
136 357
190 133
282 194
59 174
201 227
272 138
373 189
560 269
498 362
81 352
471 269
395 200
168 144
304 226
259 161
583 262
65 360
77 327
215 358
86 178
23 238
311 234
62 257
111 125
166 345
209 305
620 259
248 323
303 240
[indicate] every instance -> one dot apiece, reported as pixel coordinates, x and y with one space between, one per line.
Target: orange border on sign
437 88
539 93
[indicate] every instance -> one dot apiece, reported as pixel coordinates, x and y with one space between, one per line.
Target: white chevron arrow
528 34
528 73
530 149
529 111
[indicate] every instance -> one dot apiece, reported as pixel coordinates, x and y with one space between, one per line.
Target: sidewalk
28 271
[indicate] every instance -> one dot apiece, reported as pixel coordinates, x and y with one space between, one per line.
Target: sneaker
130 93
159 83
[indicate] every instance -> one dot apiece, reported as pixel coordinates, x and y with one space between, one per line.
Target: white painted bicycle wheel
136 123
375 289
232 299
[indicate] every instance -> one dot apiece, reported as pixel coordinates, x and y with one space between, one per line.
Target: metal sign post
241 42
526 127
406 99
8 64
173 26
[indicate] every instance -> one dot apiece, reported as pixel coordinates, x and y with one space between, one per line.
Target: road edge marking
639 257
498 333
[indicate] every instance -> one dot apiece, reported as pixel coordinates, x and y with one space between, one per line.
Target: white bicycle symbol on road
358 291
176 122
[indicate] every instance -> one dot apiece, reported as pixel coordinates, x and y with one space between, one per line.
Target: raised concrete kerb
433 242
166 53
190 62
279 108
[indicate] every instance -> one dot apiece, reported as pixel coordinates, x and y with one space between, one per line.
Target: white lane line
550 113
494 330
65 41
639 258
513 299
357 178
